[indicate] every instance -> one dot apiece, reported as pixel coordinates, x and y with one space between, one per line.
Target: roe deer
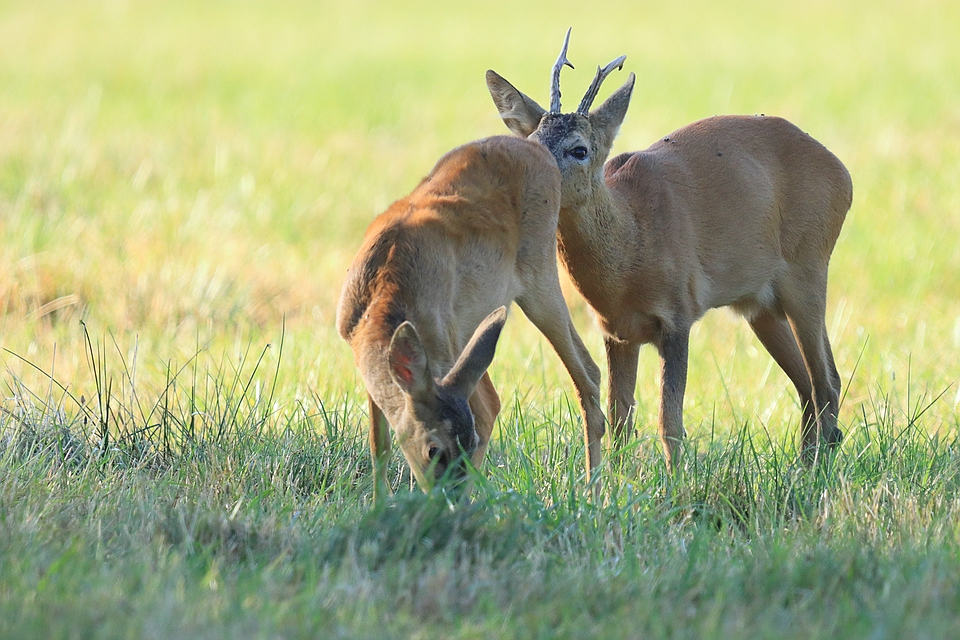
736 211
435 269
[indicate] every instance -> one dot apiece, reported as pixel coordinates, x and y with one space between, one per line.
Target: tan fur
478 233
732 211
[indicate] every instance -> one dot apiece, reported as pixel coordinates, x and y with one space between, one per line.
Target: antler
595 85
555 84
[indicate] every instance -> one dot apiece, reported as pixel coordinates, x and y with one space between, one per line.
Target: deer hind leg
834 374
673 347
485 404
777 337
622 358
807 318
543 304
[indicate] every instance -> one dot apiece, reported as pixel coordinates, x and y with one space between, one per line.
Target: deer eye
578 153
432 452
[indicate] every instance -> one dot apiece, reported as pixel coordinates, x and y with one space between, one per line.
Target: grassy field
182 454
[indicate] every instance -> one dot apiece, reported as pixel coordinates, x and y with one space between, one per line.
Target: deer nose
469 442
455 473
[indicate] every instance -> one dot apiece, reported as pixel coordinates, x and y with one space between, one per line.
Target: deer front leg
547 310
379 450
673 348
622 358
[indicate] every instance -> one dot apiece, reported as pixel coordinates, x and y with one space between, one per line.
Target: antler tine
602 74
555 84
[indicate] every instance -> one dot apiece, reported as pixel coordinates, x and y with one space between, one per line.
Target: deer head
580 142
436 429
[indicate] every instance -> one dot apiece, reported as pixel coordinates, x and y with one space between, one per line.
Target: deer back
729 201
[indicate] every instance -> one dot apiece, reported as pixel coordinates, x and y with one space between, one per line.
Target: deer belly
633 328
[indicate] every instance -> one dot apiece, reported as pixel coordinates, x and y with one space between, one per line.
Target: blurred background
181 178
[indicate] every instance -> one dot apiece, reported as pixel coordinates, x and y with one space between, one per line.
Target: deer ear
609 116
519 112
409 366
477 355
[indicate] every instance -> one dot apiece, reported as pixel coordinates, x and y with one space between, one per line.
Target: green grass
182 454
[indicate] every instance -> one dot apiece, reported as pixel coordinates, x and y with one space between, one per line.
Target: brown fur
732 211
476 234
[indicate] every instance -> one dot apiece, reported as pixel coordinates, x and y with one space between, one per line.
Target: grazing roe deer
735 211
422 305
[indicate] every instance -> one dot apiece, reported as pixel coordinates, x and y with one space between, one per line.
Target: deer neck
592 232
596 235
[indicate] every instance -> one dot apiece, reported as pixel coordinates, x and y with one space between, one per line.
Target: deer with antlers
424 302
736 211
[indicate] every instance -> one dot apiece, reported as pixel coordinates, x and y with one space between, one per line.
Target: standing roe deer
477 233
732 211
